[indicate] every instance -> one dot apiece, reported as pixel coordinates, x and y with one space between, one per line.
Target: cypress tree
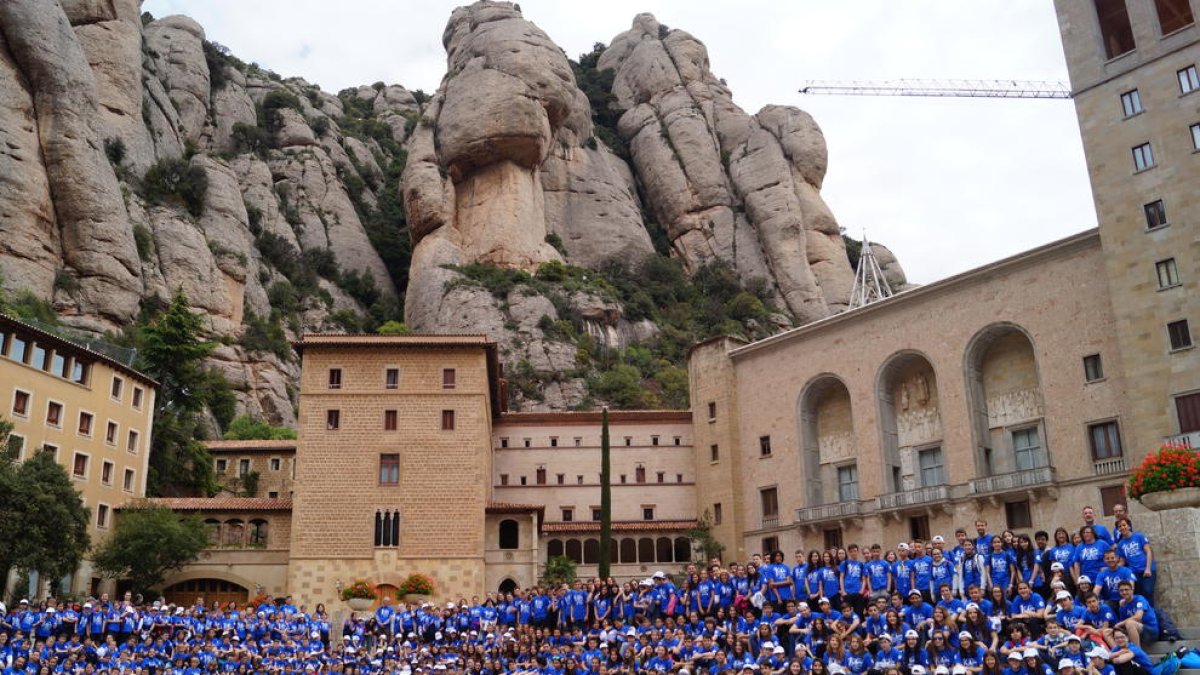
605 497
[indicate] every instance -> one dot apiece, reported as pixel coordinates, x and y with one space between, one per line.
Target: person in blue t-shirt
1135 549
1089 555
853 575
922 571
917 613
902 571
1110 577
1028 608
878 572
1136 617
983 540
1128 658
1068 615
1089 520
999 565
778 576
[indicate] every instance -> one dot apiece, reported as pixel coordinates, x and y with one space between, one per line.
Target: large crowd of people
1074 602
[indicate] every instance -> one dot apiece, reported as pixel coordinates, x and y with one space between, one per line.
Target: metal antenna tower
869 283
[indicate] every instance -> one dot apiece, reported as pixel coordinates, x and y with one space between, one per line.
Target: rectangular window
106 472
391 378
138 392
110 433
20 406
527 441
1131 103
918 527
1105 440
1187 410
578 441
1110 497
647 513
1143 157
1195 129
1189 80
639 474
764 446
79 371
448 377
562 478
539 475
769 546
679 441
504 479
523 480
447 420
714 453
662 476
54 412
554 441
1027 446
718 513
58 365
504 442
622 479
387 529
930 463
51 450
243 466
276 464
712 411
333 420
833 538
1156 214
1173 15
1017 514
79 467
628 441
115 391
579 480
85 423
390 418
568 514
127 484
389 469
596 513
17 349
678 478
39 357
1093 368
131 444
15 446
1180 334
222 465
102 515
273 494
335 378
769 498
1167 273
847 477
1115 29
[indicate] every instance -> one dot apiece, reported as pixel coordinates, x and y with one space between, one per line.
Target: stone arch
510 534
233 532
591 551
825 397
259 533
508 585
683 549
1004 390
629 550
664 550
575 551
645 550
198 573
906 390
554 549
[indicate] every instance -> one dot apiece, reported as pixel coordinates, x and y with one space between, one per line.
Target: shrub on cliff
175 180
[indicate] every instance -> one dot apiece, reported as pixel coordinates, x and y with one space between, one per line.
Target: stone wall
1175 539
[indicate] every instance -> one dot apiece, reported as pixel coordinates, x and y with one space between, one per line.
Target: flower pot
1172 499
417 598
360 604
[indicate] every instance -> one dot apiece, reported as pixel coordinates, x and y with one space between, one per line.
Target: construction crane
946 88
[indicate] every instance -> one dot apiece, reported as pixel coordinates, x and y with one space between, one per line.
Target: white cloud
948 184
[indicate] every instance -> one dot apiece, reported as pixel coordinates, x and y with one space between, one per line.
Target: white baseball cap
965 635
1014 655
939 539
959 669
904 547
1083 579
917 670
1062 595
1030 653
1066 663
941 670
777 650
1099 653
660 575
1056 567
911 634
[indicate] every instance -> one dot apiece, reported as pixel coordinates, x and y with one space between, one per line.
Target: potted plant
417 588
1167 479
360 595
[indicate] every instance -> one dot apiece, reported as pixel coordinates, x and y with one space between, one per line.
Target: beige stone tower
393 462
1133 67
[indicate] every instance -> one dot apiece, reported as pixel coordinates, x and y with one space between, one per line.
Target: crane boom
948 88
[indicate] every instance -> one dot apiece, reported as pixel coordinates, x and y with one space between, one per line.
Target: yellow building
94 413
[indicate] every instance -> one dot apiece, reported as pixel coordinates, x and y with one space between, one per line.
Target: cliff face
137 158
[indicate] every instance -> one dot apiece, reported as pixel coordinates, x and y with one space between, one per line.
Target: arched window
575 550
387 529
234 532
258 533
645 550
628 551
662 550
213 527
510 534
683 549
591 551
554 548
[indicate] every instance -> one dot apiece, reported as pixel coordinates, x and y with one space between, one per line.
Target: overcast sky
948 184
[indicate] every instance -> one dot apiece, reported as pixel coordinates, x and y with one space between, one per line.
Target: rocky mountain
568 209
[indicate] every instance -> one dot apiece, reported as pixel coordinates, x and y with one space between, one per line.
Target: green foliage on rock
147 542
175 180
247 428
597 86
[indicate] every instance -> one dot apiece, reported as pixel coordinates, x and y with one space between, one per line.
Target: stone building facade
254 468
93 412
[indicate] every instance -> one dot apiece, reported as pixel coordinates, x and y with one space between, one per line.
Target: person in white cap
1066 666
1014 664
970 654
1098 662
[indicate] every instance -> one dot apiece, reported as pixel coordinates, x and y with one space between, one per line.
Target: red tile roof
224 446
373 340
216 503
511 507
622 526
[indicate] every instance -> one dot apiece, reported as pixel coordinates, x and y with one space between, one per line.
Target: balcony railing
1104 467
1191 440
925 495
836 511
1012 481
770 521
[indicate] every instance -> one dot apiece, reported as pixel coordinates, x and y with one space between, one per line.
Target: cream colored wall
280 481
1153 374
520 564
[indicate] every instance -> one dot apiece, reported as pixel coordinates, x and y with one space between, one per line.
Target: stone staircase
1161 648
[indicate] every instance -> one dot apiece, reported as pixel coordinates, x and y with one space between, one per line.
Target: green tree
703 541
559 570
148 542
43 522
246 428
605 497
394 328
